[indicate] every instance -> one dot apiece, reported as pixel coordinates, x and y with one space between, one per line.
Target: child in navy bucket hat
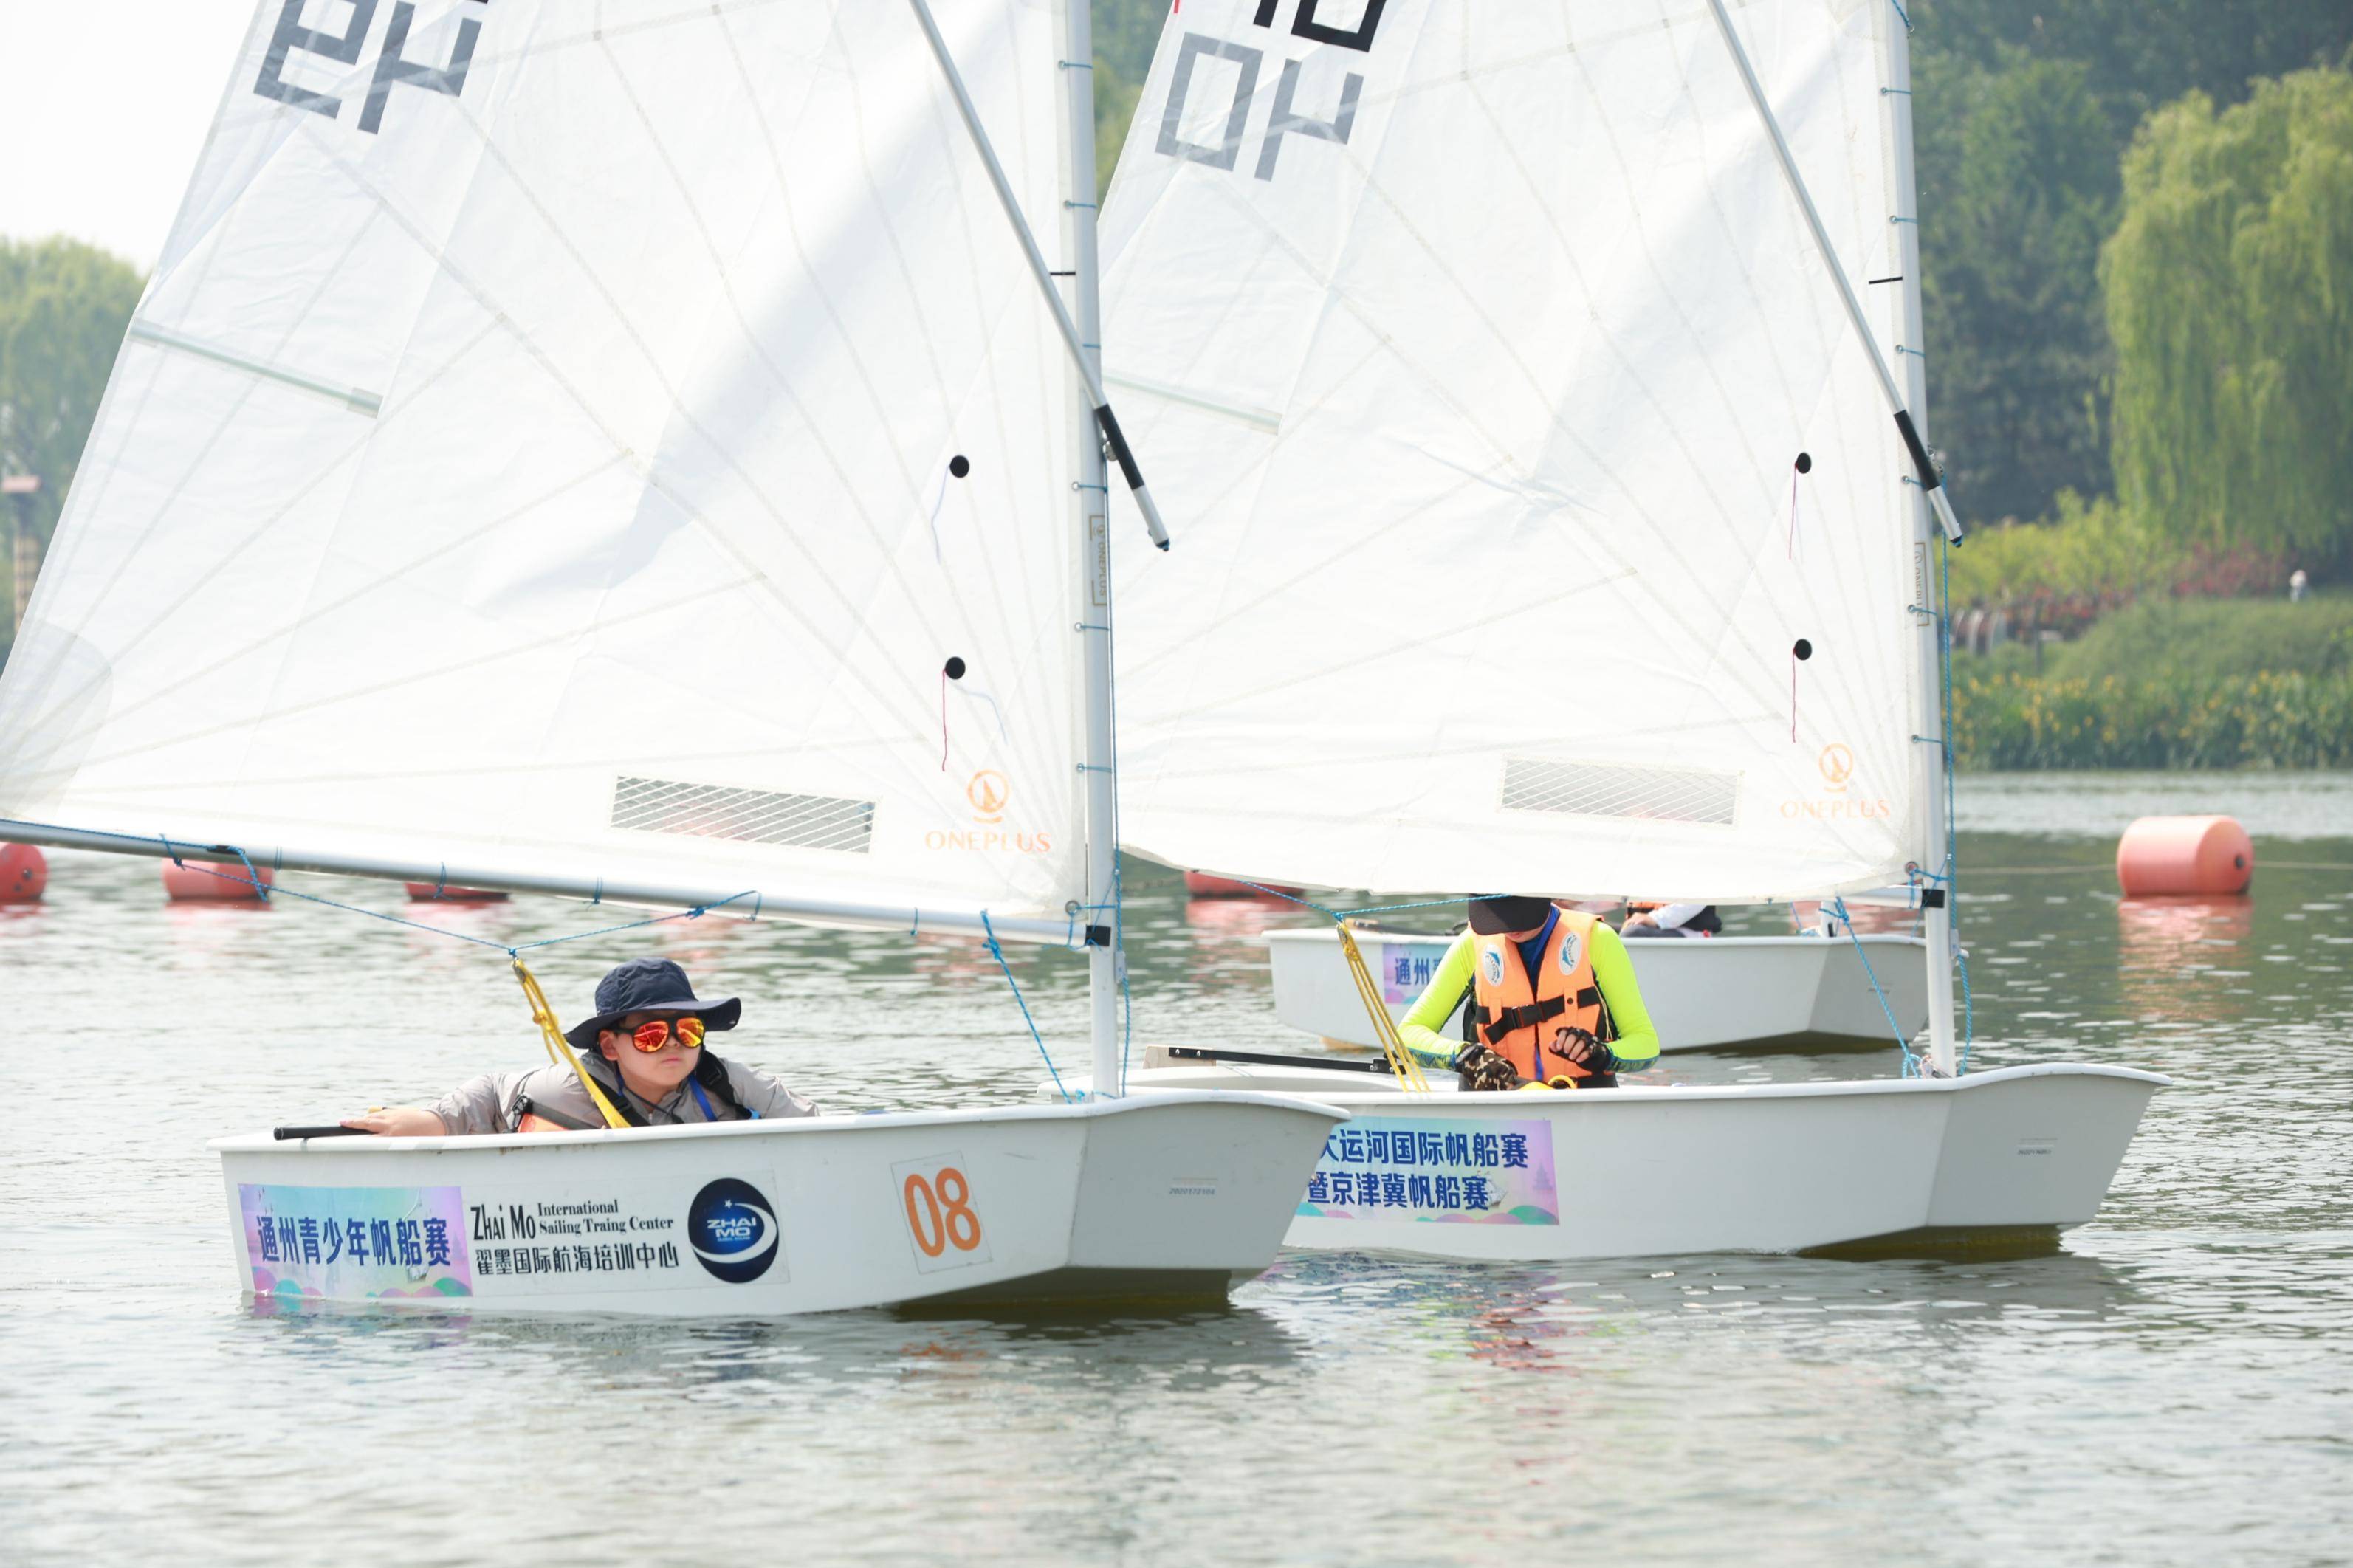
644 1051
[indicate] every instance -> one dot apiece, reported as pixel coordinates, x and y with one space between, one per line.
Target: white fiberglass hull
1167 1197
2008 1156
1717 992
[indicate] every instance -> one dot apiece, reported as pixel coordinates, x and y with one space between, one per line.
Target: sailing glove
1481 1068
1585 1056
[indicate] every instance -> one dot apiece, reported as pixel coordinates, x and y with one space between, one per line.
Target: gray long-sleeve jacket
495 1101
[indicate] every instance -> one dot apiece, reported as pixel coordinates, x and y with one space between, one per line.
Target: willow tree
2229 287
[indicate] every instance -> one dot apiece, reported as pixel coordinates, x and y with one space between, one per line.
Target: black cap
649 986
1499 916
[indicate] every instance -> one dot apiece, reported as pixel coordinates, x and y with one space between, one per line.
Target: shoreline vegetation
2234 683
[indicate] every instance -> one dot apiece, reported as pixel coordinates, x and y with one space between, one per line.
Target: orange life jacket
1515 1014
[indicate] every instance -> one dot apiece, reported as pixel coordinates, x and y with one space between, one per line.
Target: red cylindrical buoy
23 874
443 894
213 882
1201 885
2184 855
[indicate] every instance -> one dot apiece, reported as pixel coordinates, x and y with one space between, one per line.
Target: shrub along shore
2236 684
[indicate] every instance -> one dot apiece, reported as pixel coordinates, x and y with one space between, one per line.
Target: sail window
1596 789
748 815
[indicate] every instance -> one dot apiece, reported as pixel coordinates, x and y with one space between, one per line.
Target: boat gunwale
1629 1094
773 1126
1868 938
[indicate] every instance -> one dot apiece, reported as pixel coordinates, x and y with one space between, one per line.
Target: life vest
709 1085
1513 1013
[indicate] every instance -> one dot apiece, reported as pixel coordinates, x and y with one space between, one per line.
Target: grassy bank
2214 685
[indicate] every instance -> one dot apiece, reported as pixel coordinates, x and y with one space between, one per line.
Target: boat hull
1999 1157
1714 994
1168 1197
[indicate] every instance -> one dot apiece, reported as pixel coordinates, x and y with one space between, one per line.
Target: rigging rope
997 952
1402 1066
559 1049
1911 1062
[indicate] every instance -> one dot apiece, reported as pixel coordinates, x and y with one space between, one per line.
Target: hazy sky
103 106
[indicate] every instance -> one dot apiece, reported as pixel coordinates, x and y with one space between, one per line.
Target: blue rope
997 952
1899 11
1911 1062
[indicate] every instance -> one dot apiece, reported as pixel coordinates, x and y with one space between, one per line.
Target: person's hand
398 1121
1639 918
1481 1068
1584 1055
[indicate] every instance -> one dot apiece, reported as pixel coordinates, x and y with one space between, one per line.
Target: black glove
1580 1054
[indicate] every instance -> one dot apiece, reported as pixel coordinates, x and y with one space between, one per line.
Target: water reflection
2176 957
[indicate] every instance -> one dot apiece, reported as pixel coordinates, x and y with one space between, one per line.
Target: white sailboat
624 451
1541 388
1724 993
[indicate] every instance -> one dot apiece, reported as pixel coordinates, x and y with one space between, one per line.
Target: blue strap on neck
704 1101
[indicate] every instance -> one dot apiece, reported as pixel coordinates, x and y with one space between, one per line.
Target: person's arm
764 1094
399 1121
1418 1030
1637 1045
476 1106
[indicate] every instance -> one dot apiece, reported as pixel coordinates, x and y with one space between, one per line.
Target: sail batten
586 451
1566 471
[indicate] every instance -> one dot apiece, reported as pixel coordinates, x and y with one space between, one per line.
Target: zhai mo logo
307 48
1196 126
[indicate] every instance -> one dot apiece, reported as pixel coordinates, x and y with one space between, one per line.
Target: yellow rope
1401 1063
559 1049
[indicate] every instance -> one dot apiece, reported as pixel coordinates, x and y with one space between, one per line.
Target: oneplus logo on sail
1836 764
988 791
329 51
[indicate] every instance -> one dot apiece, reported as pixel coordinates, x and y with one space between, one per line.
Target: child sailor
644 1054
1552 1002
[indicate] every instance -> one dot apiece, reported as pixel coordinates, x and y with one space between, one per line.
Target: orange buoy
1201 885
213 882
2162 855
443 894
23 873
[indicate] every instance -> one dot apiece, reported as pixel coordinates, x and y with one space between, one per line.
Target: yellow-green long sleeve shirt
1636 1047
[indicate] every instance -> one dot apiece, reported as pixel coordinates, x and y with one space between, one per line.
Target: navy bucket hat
649 986
1499 916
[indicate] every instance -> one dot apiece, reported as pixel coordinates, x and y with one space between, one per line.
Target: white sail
573 437
1472 348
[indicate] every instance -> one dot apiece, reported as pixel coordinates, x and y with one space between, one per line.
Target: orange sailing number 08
942 1217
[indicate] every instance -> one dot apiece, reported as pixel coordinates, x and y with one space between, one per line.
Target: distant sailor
1552 1002
1671 920
643 1048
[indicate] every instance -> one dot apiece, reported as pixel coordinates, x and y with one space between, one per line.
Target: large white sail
579 438
1472 349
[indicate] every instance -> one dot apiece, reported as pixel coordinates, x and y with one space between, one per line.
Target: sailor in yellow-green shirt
1551 1001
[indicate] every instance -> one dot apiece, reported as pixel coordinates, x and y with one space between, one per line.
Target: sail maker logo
988 793
1838 802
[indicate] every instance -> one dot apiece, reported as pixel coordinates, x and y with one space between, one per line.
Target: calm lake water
2174 1385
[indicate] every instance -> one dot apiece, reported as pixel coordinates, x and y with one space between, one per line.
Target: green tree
1126 34
2018 190
64 307
2024 109
2230 296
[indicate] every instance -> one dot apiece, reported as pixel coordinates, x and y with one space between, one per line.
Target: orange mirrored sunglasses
653 1036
